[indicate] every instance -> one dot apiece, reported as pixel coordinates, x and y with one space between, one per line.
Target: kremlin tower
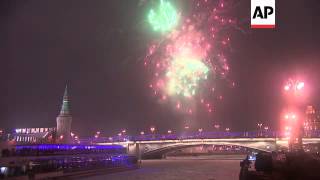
64 121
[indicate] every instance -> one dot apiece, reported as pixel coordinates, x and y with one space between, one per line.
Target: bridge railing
194 135
202 135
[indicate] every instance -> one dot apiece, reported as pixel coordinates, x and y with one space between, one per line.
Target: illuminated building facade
34 135
312 121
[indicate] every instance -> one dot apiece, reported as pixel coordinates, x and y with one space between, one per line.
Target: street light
227 130
200 130
119 136
169 131
290 116
291 120
152 129
142 133
286 116
294 86
286 87
300 85
97 134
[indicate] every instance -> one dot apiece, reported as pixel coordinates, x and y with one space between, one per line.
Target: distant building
59 134
312 121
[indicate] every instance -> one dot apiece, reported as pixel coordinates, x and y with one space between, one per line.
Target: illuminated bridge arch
159 152
156 149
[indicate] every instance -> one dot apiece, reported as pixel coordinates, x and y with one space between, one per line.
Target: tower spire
65 109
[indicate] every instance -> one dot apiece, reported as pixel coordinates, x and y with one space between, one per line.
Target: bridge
156 146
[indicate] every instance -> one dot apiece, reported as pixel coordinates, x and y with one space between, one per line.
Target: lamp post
227 130
152 129
97 135
266 128
200 132
260 132
294 89
217 127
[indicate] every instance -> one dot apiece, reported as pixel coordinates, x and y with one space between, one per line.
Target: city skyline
100 60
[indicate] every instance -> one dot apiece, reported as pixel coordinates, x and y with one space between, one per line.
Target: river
180 169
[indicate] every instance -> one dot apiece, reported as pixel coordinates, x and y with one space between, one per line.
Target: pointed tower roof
65 109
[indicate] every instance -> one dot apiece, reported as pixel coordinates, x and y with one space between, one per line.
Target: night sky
97 47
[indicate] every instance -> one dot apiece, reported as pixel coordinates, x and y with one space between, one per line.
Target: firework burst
186 61
163 19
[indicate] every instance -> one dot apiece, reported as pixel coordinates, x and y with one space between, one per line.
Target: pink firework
186 62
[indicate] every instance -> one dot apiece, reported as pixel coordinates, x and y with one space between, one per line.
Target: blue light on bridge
69 147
